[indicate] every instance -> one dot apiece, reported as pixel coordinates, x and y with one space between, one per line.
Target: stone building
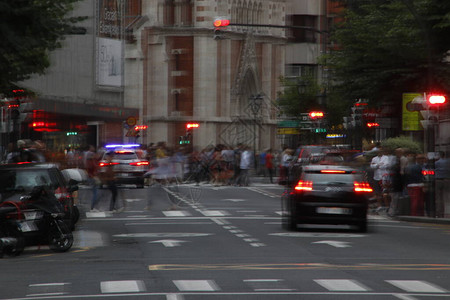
184 74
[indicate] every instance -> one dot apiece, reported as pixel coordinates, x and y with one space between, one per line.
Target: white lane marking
196 285
337 244
234 200
49 284
318 235
342 285
98 214
124 286
404 297
176 213
220 221
174 297
416 286
133 200
213 213
169 243
168 223
161 234
47 289
257 244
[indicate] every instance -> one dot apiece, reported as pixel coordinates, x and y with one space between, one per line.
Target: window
304 35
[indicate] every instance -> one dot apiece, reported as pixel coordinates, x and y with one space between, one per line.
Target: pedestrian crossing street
268 285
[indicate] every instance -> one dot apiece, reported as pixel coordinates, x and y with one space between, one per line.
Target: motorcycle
12 241
36 219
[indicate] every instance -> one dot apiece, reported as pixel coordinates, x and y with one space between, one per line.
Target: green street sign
289 124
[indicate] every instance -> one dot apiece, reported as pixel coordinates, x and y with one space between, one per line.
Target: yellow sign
410 119
131 121
288 131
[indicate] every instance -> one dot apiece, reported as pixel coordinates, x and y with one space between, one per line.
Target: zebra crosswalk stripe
416 286
341 285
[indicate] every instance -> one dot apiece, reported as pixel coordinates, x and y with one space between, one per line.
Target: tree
388 47
30 29
299 96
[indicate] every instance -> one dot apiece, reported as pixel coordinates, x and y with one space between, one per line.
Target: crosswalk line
213 213
416 286
196 285
176 213
124 286
342 285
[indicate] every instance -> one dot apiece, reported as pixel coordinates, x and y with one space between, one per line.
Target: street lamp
255 106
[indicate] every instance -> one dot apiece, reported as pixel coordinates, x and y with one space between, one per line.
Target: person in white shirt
380 164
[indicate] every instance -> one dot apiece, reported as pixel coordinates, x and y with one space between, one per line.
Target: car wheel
362 226
291 219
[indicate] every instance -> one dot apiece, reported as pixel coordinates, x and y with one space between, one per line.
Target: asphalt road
211 242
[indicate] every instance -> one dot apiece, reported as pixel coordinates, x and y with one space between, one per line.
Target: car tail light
139 163
303 185
427 172
362 187
104 164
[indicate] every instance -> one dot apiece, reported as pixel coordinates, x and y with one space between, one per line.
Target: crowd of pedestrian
402 174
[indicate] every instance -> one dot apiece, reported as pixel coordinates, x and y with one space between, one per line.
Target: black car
327 194
19 179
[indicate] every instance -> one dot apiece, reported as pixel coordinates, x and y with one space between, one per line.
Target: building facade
157 63
227 85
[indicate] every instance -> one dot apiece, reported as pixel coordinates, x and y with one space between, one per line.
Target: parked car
18 179
128 166
327 194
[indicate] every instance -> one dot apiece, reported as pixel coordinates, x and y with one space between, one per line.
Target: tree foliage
299 96
388 47
29 30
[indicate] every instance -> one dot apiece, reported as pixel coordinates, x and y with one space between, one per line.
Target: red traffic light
373 124
192 125
316 114
436 99
221 22
140 127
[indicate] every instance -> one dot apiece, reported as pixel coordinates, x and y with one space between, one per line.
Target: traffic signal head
140 127
221 22
436 99
316 115
192 125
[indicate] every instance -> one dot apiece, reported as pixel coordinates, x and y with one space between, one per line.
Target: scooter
12 241
38 217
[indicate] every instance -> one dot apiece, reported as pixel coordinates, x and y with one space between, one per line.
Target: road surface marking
318 235
161 234
125 286
416 286
176 213
169 243
196 285
213 213
337 244
342 285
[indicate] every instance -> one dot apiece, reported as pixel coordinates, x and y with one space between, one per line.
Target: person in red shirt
269 164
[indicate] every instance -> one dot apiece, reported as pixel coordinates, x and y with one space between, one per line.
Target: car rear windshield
24 180
124 155
331 178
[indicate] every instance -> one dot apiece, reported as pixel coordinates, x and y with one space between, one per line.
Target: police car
128 164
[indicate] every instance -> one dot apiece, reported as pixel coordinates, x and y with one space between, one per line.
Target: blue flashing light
122 146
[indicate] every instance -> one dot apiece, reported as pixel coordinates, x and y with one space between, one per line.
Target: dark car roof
26 165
